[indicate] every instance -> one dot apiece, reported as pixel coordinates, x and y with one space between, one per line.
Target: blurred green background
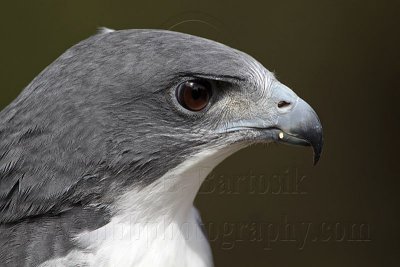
340 56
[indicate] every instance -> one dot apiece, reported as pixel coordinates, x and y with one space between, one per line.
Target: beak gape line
301 126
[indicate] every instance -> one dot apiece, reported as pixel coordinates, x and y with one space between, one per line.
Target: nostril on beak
283 104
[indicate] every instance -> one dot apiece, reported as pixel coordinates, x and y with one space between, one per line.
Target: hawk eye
194 95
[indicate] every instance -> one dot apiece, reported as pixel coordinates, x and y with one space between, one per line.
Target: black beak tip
316 158
317 147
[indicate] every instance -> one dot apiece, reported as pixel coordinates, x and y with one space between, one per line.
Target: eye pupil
194 95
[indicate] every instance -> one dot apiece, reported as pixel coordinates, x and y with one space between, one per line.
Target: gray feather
94 123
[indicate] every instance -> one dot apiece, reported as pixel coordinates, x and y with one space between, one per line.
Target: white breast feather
155 226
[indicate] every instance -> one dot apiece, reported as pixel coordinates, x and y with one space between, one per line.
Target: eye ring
194 95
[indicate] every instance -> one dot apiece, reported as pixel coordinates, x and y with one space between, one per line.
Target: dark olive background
340 56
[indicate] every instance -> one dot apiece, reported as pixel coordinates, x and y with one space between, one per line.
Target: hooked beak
295 123
301 126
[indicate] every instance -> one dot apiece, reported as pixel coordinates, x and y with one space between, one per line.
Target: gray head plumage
104 118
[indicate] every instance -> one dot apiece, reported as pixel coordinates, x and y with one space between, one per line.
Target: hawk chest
179 242
123 243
